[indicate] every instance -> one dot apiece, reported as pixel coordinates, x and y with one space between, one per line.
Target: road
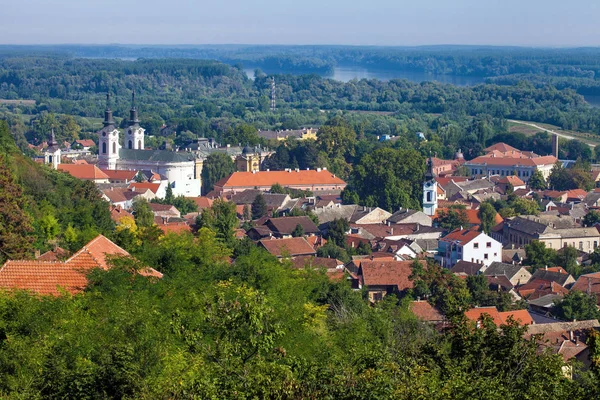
562 135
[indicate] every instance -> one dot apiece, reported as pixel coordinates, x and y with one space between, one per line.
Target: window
114 148
139 144
580 245
488 244
130 145
103 148
495 254
595 244
429 197
485 256
476 245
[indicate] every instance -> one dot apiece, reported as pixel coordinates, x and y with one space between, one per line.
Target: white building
180 168
468 245
52 155
430 198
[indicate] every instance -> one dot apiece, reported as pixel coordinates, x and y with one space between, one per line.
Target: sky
553 23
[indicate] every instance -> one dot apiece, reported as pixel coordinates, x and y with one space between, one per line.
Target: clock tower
430 202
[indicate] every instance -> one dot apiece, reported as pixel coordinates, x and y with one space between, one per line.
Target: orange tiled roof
387 273
284 178
472 216
201 202
290 246
86 142
521 316
120 174
177 227
83 171
516 161
475 313
501 147
462 236
153 187
513 180
425 311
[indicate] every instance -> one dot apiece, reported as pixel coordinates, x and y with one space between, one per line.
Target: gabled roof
425 311
551 276
466 268
316 262
156 155
461 236
157 207
201 202
286 225
387 273
284 178
502 269
512 180
500 318
136 186
291 247
53 255
513 161
120 174
51 277
83 171
85 142
501 147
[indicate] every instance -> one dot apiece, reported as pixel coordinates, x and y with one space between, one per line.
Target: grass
585 137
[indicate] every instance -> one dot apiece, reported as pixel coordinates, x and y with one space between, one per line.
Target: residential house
288 247
557 275
511 181
85 144
466 268
120 176
468 245
86 172
536 288
317 181
57 277
158 188
381 278
283 228
516 274
164 210
425 312
499 318
369 215
406 216
590 284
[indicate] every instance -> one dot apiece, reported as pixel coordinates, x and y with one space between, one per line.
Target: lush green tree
169 197
577 305
330 250
538 256
567 258
454 218
144 217
559 178
591 218
277 188
337 138
336 231
537 181
525 206
259 207
298 231
487 214
390 178
215 167
221 218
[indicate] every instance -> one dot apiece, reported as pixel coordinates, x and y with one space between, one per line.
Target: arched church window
139 144
428 197
130 145
114 148
103 148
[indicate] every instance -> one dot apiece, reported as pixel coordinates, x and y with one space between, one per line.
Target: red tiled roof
472 216
83 171
316 262
443 181
116 213
521 316
539 287
120 174
153 187
501 147
387 273
175 227
201 202
53 255
512 180
463 236
48 277
425 311
576 194
474 314
291 246
80 162
86 142
284 178
516 161
157 207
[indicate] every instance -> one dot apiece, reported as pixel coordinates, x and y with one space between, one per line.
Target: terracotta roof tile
120 174
425 311
463 236
291 246
284 178
501 147
387 273
474 314
83 171
153 187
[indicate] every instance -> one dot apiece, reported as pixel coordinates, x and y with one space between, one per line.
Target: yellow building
248 161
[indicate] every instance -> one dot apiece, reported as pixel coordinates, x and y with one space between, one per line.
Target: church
181 169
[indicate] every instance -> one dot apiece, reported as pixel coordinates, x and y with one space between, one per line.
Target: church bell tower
108 140
134 138
430 202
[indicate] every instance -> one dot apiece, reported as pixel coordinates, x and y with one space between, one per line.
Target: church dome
247 150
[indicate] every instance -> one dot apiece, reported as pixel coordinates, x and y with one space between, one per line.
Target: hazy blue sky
379 22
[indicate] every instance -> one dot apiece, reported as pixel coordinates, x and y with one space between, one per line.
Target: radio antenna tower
273 94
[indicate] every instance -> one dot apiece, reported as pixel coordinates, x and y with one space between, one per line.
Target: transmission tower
273 94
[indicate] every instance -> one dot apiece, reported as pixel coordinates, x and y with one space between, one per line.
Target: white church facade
430 200
180 168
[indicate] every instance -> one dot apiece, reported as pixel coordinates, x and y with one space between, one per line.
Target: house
369 215
283 228
466 268
85 144
406 216
499 318
515 273
399 249
557 275
117 213
334 268
425 312
57 277
472 216
288 247
201 202
159 189
568 339
544 304
520 231
510 181
164 210
468 245
86 172
317 181
124 198
381 278
172 225
590 284
120 176
537 288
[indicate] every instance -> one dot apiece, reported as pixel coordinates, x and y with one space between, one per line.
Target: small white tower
108 140
430 202
52 153
134 136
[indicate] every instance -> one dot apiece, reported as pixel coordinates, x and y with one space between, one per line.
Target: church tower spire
108 116
430 202
134 139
